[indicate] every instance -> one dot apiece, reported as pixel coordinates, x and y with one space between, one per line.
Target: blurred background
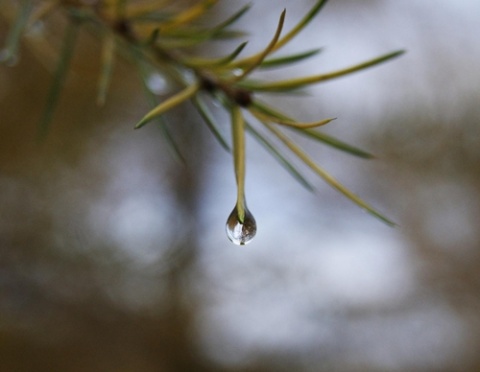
113 255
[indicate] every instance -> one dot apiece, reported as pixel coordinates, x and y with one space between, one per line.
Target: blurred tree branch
158 34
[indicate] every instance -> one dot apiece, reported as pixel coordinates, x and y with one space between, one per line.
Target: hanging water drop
241 233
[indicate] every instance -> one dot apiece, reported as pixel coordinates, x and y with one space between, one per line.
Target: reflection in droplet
241 233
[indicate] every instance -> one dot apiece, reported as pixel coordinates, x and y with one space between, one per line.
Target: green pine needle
335 143
108 58
314 134
287 60
171 143
59 78
208 119
9 53
238 139
168 104
284 162
297 83
326 176
211 63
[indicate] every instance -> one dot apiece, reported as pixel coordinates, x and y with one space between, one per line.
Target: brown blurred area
104 245
61 278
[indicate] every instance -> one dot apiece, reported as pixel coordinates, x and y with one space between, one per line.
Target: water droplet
237 72
157 84
241 233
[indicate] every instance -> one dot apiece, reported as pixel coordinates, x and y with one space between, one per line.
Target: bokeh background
113 255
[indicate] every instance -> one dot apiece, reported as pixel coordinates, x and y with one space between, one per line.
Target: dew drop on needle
241 233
